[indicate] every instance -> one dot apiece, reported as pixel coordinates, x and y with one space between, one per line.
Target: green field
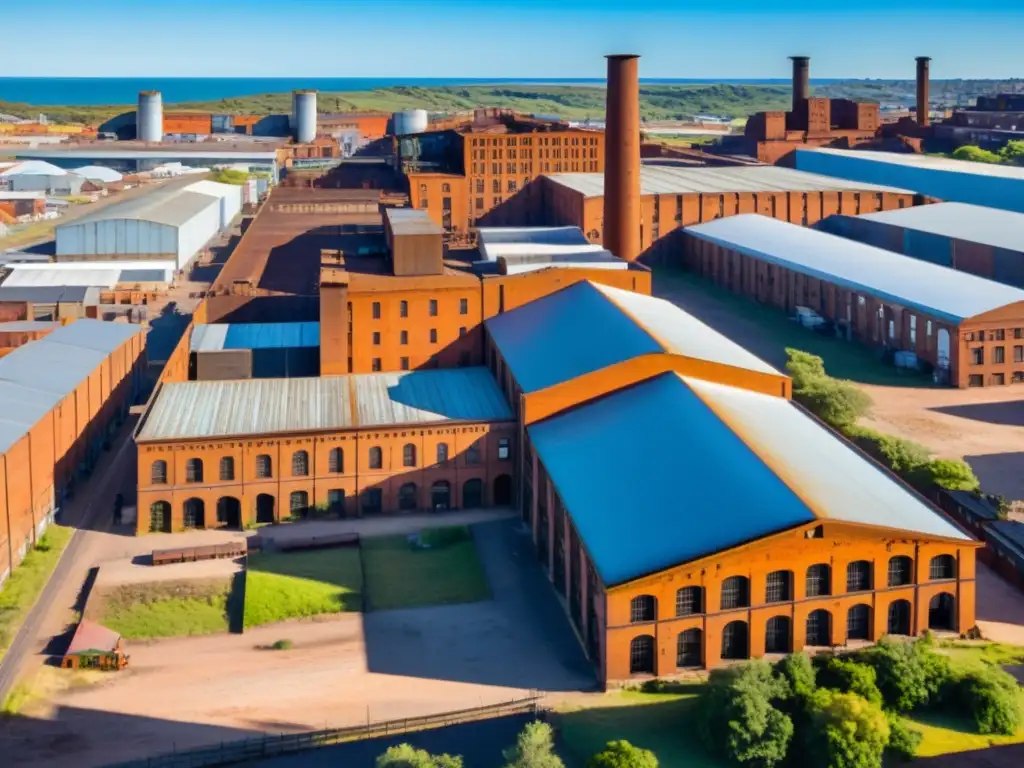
289 585
20 592
401 576
164 609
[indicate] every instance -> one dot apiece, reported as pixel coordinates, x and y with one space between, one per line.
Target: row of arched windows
779 633
779 586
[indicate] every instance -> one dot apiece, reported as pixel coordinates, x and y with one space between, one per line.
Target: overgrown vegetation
622 754
1011 154
230 176
23 587
288 585
534 748
841 404
164 609
406 756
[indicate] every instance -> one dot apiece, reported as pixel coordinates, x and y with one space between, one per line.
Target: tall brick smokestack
923 90
622 157
801 82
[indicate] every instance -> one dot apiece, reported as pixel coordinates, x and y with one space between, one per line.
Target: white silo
410 121
303 116
149 117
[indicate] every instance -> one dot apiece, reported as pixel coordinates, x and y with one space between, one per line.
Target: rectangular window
999 379
463 359
999 355
504 449
913 330
376 338
463 306
375 364
462 332
975 380
405 363
999 335
928 328
376 310
433 307
433 335
403 337
1018 354
978 356
1018 333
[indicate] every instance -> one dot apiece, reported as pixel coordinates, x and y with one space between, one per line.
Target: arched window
643 608
194 471
403 308
194 513
300 464
298 503
858 623
689 648
689 600
442 453
901 570
819 628
778 587
777 637
336 461
158 473
160 517
407 497
940 612
735 593
734 640
376 458
942 567
899 618
641 655
264 467
408 455
819 580
227 468
858 576
473 455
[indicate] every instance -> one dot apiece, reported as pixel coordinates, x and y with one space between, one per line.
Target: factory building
231 453
987 242
134 156
52 302
966 327
61 396
172 223
225 351
680 197
955 181
821 548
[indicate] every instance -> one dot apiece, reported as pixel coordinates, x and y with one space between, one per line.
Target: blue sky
508 38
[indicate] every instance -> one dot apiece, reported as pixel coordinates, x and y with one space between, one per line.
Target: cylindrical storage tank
149 118
304 116
410 121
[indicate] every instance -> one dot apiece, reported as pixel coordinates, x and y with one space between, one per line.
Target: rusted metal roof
91 636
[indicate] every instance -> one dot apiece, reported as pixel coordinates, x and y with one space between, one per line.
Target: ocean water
91 91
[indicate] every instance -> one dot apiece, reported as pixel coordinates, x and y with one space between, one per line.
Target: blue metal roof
217 336
972 223
709 468
932 289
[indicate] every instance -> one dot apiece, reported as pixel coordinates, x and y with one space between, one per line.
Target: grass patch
34 691
21 590
943 734
400 575
660 722
289 585
164 609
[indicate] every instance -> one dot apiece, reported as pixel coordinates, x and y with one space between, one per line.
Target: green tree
799 673
407 756
976 155
838 403
1013 152
534 748
622 754
847 676
990 697
901 673
846 731
739 719
803 367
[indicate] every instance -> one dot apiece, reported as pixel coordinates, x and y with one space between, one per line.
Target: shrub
903 456
845 732
803 367
976 155
1013 152
838 403
282 645
406 756
848 676
900 673
990 697
534 748
799 673
950 474
738 718
622 754
903 739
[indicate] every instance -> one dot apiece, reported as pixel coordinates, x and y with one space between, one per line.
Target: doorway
440 496
264 508
229 512
502 490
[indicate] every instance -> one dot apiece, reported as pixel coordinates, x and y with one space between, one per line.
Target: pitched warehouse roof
932 289
667 180
961 221
710 467
173 206
201 409
586 327
213 337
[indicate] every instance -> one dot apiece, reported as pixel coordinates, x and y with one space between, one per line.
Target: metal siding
937 249
960 221
1009 267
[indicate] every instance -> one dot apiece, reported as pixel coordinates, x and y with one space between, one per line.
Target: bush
738 719
1013 152
950 474
847 676
976 155
803 367
846 731
282 645
406 756
535 748
799 673
900 672
990 697
903 456
903 739
622 754
838 403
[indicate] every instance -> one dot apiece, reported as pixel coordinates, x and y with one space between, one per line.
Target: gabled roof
586 327
932 289
961 221
708 468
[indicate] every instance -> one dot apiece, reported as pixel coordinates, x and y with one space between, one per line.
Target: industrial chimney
801 83
303 116
149 117
923 90
622 157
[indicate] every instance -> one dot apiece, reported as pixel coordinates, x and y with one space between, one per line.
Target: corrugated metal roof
930 162
215 189
51 294
411 221
198 409
217 336
668 180
33 168
692 439
144 276
28 325
973 223
99 173
91 636
929 288
171 206
1010 533
34 278
587 327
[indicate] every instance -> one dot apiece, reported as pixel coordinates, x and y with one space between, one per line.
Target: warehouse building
958 181
102 274
988 242
817 546
60 396
224 351
53 302
135 157
514 250
967 328
674 197
231 453
171 223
